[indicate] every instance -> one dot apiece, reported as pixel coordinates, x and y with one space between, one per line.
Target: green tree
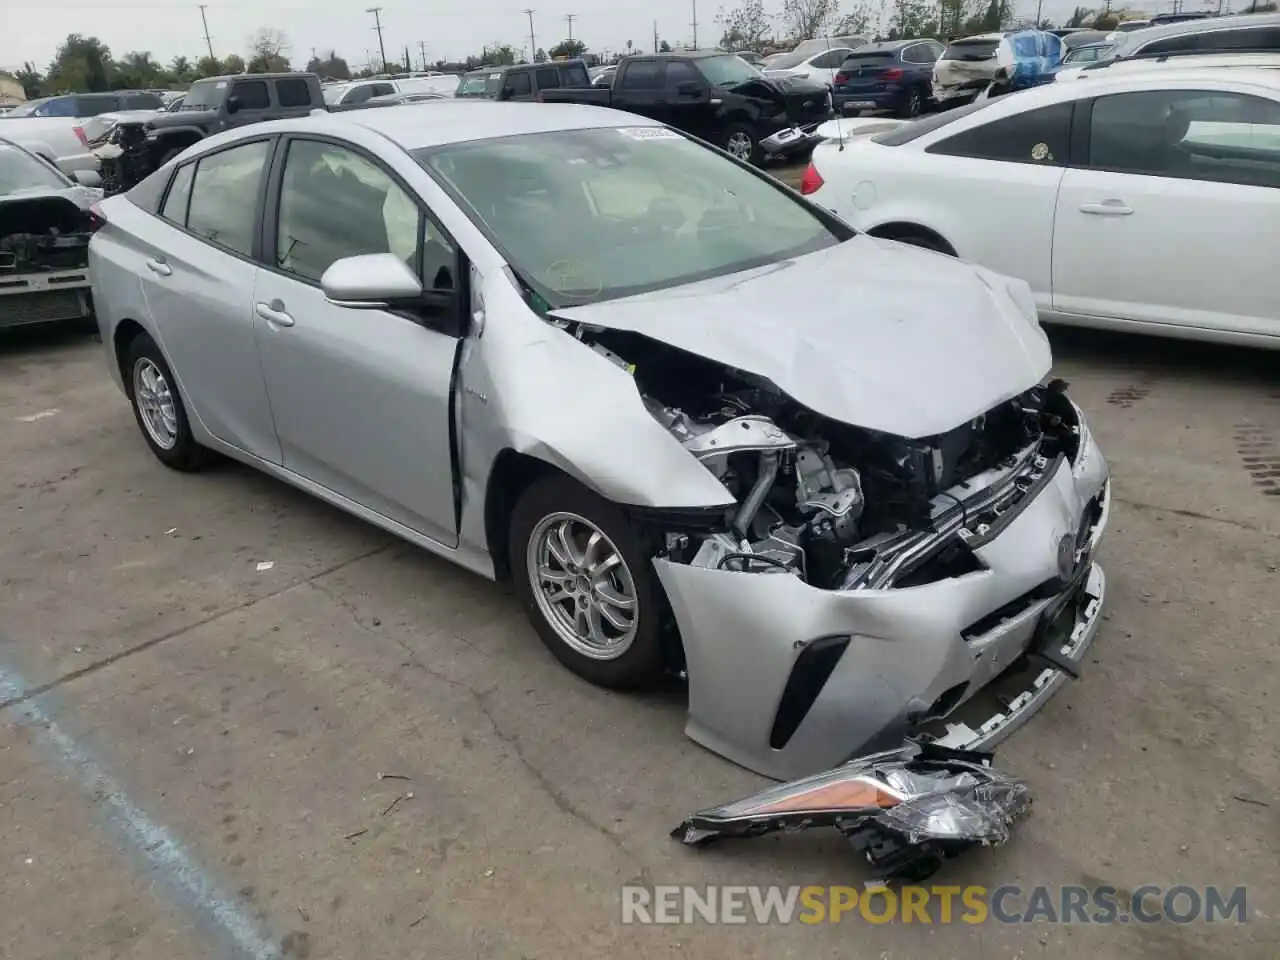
568 48
803 19
269 52
1079 17
31 80
82 64
330 65
181 70
745 27
136 70
664 47
912 18
235 64
540 56
857 22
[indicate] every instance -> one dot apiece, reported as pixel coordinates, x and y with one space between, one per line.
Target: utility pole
533 44
377 25
207 39
655 36
1039 7
422 49
569 18
695 24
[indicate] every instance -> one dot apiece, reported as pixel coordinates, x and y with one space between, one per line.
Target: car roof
451 121
979 36
1159 31
1265 77
888 46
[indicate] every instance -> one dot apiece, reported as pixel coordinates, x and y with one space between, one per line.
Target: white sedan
1145 202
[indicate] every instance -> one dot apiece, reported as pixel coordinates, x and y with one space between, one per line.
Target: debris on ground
265 565
907 810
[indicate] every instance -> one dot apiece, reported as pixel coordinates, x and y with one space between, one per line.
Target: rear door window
91 105
293 93
829 60
253 94
1039 137
918 53
642 75
519 83
224 196
548 78
58 107
575 75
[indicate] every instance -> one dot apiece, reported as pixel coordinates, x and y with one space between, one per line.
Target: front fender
526 385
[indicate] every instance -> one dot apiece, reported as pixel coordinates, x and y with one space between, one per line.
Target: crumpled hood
869 332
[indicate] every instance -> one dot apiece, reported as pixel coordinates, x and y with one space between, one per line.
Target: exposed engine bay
43 234
840 506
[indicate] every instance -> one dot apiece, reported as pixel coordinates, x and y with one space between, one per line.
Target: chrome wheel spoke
582 586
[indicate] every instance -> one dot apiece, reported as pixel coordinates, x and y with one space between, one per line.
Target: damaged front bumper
792 140
787 679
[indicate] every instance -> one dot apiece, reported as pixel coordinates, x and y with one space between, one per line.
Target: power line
533 44
207 39
377 25
569 18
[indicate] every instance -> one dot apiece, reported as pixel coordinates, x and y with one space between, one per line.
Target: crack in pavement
511 740
1196 515
145 645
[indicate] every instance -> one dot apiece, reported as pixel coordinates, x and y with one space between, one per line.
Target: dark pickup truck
717 97
138 145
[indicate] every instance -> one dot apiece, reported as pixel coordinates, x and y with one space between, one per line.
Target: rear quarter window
293 93
1039 137
971 50
576 76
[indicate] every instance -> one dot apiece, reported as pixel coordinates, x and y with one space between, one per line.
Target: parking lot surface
208 679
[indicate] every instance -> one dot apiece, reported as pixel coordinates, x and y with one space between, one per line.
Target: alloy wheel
739 145
152 394
582 586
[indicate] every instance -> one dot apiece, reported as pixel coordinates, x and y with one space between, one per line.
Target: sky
31 30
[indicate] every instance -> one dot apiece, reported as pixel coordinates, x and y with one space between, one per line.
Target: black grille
42 307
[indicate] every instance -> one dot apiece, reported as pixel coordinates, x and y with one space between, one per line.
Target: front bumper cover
876 666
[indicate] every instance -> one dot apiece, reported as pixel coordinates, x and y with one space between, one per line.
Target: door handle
1107 208
160 267
273 313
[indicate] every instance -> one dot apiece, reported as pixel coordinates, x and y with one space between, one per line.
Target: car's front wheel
158 407
740 142
586 583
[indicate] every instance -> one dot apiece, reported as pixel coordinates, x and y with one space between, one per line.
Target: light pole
377 25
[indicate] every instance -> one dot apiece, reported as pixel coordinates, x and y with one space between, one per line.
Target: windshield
205 95
20 171
727 71
480 85
590 215
971 50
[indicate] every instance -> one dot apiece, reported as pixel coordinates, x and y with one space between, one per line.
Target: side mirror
233 104
87 178
372 281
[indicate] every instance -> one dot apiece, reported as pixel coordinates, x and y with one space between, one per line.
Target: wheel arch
900 229
122 337
511 474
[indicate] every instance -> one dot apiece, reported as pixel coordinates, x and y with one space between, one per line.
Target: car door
995 200
638 89
198 283
253 102
687 96
1172 216
360 397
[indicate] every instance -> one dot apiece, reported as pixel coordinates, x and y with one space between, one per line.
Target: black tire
912 105
641 663
753 155
185 453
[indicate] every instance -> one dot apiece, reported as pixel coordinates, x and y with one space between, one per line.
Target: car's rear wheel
158 407
912 104
586 583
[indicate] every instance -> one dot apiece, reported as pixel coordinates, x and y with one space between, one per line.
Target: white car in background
1145 202
820 64
362 91
1217 61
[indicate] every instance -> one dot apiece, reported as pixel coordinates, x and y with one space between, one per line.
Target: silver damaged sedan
703 426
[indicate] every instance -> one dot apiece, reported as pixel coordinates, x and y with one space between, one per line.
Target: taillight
841 78
812 181
96 217
79 132
893 73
